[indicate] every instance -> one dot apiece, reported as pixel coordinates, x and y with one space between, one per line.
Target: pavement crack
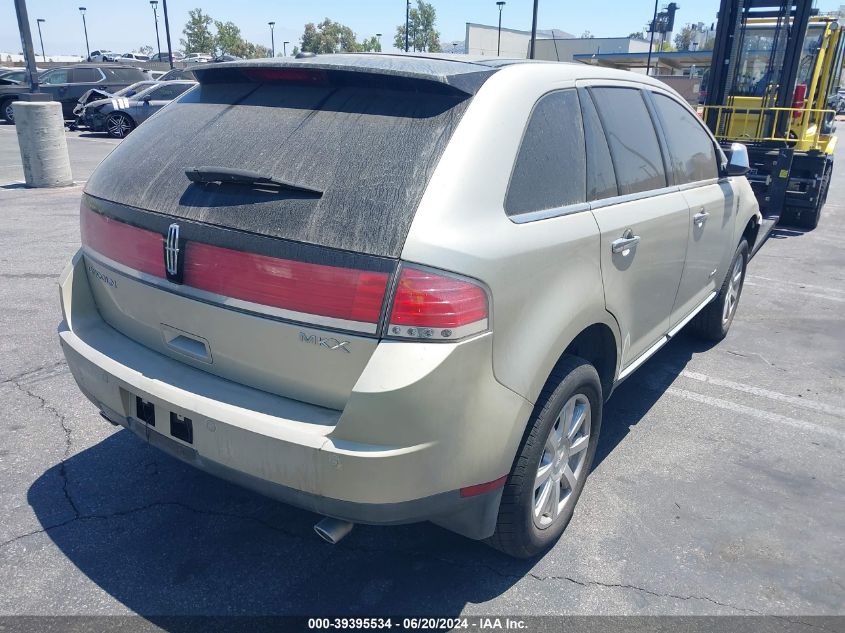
43 404
29 373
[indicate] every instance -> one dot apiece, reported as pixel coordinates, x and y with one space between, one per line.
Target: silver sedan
118 116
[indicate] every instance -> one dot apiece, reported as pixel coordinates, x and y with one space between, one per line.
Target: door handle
625 243
700 218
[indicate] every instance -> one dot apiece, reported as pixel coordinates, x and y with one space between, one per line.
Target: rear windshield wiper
225 175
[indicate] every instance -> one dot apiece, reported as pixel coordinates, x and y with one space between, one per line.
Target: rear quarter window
550 167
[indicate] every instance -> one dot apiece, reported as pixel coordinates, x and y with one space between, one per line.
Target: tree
228 40
422 34
586 35
683 39
638 35
333 37
198 37
145 50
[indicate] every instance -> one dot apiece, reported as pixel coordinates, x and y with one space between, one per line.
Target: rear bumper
398 453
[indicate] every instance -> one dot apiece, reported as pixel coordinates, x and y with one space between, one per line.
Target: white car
102 56
133 57
198 58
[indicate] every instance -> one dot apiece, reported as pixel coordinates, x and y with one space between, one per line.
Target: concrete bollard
41 138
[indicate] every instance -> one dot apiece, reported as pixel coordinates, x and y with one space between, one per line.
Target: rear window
369 152
125 75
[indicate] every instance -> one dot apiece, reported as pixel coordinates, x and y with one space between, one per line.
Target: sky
124 25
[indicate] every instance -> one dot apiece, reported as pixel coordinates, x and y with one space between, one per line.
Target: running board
767 225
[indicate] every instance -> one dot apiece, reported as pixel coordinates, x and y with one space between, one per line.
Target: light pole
651 40
285 48
378 35
85 26
531 50
154 5
407 22
40 37
272 40
501 6
167 32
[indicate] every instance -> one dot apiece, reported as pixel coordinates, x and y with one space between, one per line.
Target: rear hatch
253 227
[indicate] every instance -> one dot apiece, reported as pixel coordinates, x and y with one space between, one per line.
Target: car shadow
635 397
165 539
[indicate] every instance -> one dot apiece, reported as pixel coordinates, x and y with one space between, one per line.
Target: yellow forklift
773 86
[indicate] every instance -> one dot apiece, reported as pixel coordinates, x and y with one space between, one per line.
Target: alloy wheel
561 466
734 286
118 126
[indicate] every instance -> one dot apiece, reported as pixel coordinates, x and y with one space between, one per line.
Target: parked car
389 332
128 58
118 116
178 73
68 83
162 57
13 76
96 94
198 58
102 56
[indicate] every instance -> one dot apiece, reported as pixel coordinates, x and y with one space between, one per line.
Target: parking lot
719 484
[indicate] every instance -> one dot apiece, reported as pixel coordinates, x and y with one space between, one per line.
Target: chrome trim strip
699 183
642 358
230 302
631 197
680 326
545 214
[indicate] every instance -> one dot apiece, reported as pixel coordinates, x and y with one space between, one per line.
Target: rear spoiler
409 74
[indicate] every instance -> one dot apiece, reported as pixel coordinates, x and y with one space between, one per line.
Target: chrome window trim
700 183
545 214
239 305
631 197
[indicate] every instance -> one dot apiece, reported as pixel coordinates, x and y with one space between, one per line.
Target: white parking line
805 294
799 284
756 413
765 393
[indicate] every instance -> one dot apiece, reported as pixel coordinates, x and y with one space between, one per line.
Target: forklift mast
790 17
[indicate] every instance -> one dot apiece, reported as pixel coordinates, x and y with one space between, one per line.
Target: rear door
711 200
56 82
643 221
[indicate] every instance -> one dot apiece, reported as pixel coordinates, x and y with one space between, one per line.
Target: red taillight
799 99
342 293
302 290
123 243
435 306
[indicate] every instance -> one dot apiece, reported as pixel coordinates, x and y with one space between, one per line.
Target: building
482 39
552 45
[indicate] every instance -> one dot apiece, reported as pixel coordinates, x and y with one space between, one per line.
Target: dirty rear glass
369 152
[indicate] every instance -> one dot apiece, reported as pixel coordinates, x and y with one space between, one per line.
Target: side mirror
738 164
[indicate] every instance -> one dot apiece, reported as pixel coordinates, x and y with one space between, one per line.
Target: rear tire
6 111
714 321
553 461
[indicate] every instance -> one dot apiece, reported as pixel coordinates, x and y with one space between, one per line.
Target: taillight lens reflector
138 249
436 306
344 293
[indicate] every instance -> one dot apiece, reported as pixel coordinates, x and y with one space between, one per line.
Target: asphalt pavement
719 484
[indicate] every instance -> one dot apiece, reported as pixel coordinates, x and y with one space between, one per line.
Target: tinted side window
632 139
166 93
601 179
86 75
53 77
693 155
550 168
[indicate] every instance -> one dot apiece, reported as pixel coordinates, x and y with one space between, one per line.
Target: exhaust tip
333 530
